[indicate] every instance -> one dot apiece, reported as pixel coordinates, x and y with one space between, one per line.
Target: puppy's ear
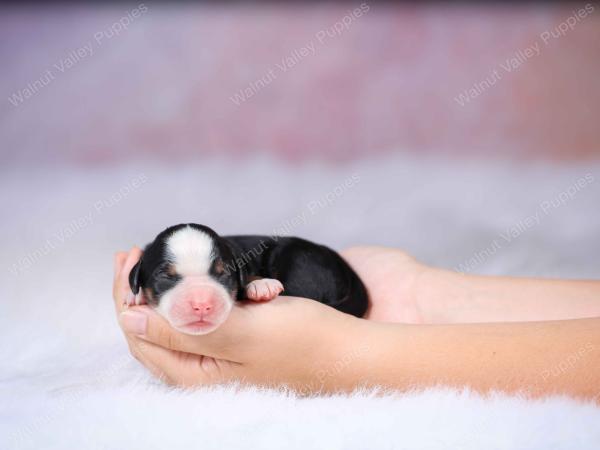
134 278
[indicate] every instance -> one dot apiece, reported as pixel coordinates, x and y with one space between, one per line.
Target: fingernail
134 322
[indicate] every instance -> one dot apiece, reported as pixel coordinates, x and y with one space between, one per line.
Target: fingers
136 348
156 359
144 323
182 369
123 265
119 260
132 258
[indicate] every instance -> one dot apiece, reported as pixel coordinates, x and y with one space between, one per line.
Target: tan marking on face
219 267
149 296
171 270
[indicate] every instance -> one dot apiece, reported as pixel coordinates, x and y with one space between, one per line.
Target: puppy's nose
202 306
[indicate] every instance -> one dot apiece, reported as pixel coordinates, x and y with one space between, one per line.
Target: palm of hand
390 276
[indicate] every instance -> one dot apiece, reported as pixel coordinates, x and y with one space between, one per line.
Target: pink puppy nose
200 303
201 306
198 308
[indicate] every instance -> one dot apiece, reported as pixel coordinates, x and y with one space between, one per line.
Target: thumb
184 369
146 324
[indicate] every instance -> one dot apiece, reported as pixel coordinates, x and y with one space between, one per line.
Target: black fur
304 268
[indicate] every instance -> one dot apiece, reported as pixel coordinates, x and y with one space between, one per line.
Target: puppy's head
189 274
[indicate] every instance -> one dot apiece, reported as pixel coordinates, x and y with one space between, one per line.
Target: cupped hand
392 278
288 341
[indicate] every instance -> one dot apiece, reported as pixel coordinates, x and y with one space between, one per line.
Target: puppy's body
192 275
304 268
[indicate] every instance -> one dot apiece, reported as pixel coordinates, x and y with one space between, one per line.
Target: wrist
340 355
365 355
382 354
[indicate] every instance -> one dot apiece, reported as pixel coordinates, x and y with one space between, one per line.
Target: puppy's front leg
132 299
263 289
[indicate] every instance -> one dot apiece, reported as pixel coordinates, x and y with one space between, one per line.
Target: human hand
392 280
288 341
313 348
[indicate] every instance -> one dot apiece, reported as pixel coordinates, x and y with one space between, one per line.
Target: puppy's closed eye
165 277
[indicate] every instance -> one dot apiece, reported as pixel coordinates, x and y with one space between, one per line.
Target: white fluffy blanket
67 380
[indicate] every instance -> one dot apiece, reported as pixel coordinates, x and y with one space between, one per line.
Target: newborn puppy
193 276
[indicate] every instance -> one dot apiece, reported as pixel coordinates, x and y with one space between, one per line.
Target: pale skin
426 327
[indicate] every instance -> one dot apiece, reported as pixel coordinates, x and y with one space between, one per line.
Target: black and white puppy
193 276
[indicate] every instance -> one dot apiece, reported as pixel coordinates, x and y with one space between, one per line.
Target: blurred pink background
168 84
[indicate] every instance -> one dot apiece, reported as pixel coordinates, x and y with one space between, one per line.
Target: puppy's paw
264 289
140 298
132 299
129 300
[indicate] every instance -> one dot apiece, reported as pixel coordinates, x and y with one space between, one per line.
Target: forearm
451 297
535 358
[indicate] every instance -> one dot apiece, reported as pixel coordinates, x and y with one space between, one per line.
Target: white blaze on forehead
190 250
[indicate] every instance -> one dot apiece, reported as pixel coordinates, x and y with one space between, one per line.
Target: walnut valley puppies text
72 227
78 54
522 55
295 56
524 224
316 205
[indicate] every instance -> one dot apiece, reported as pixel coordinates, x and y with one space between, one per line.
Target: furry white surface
67 380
